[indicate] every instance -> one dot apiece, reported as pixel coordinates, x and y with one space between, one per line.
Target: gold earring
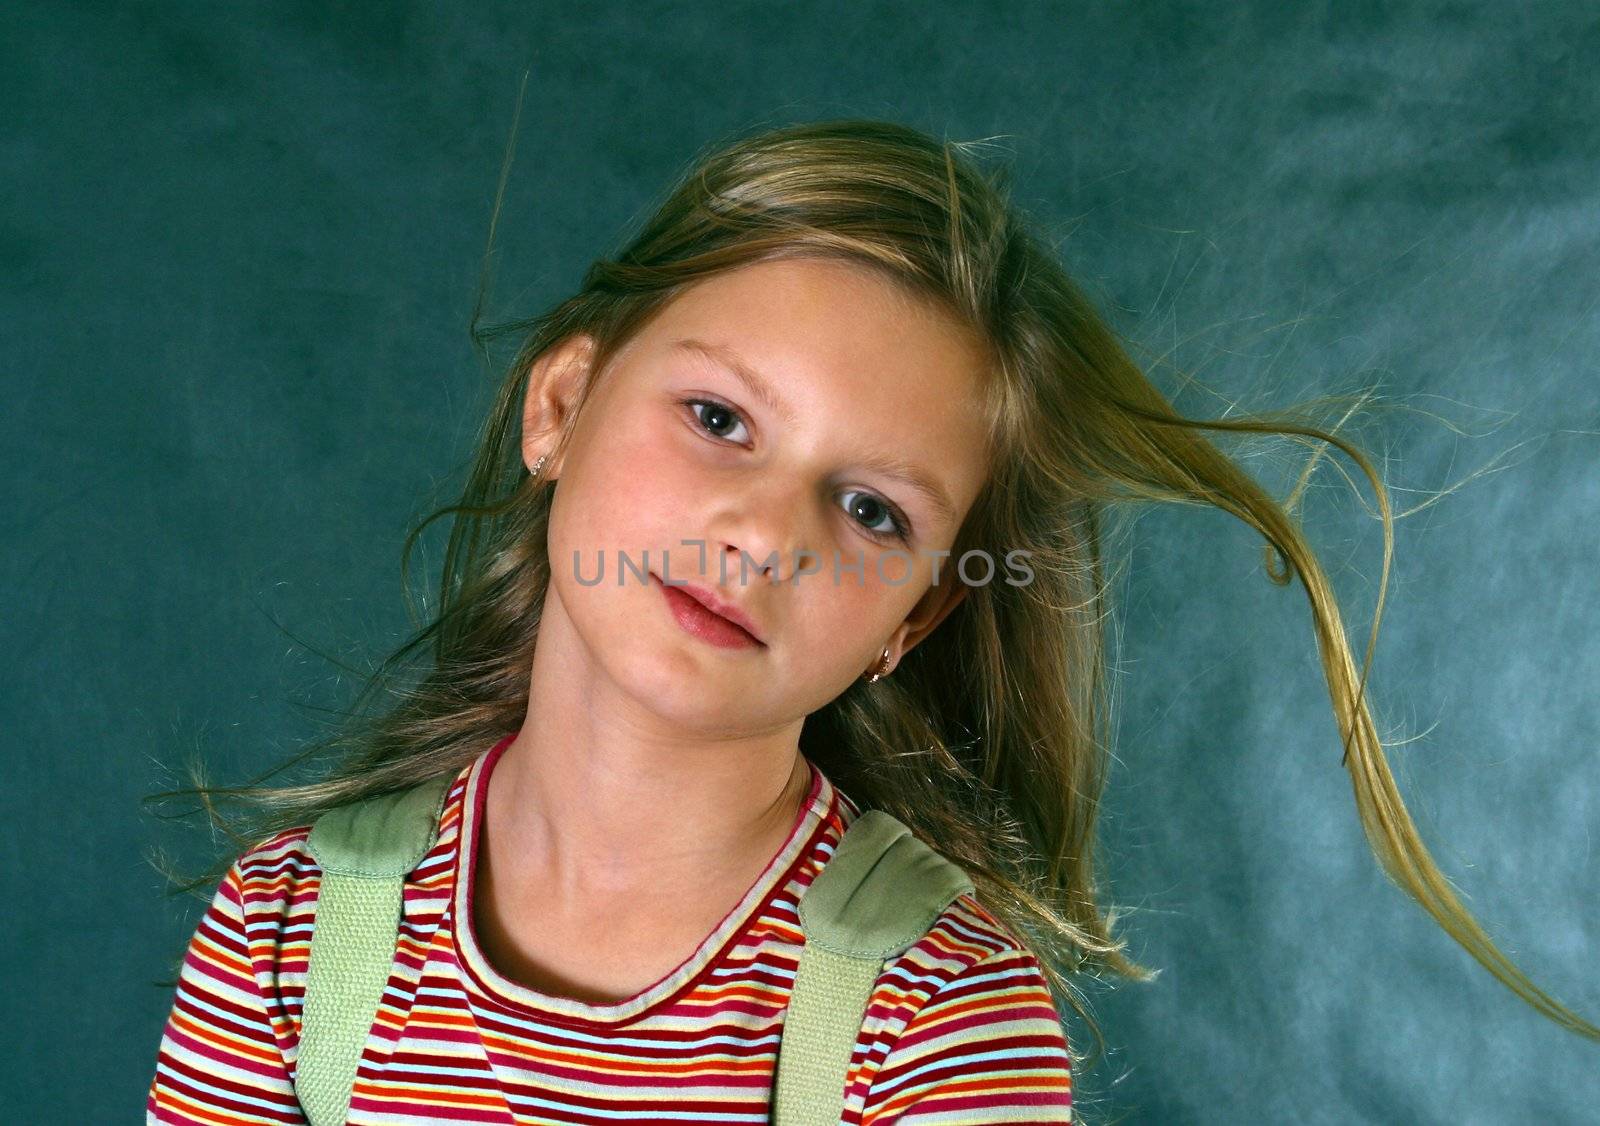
882 668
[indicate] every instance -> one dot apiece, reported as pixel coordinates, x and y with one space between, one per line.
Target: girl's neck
588 826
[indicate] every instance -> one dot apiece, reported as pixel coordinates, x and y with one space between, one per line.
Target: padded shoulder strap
874 898
365 850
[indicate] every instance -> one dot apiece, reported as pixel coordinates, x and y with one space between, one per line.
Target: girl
794 510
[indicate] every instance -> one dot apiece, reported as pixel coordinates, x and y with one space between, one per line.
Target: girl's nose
774 530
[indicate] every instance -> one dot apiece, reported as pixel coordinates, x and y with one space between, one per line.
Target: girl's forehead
817 281
804 318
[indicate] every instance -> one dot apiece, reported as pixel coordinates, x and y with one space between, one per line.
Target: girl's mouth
704 623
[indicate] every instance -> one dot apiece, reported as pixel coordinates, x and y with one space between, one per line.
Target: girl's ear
555 387
931 609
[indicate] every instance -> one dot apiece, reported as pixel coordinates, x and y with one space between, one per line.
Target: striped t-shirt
960 1028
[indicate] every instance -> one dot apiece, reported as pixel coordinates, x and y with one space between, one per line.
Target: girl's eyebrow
726 357
914 477
908 473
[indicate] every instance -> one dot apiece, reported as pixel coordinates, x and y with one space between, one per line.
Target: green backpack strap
365 850
875 897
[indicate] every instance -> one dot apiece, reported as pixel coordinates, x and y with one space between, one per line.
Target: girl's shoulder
967 934
274 850
968 1016
278 872
280 875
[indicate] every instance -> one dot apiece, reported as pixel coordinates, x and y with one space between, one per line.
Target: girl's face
809 466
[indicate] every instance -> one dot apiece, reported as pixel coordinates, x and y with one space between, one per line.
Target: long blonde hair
990 740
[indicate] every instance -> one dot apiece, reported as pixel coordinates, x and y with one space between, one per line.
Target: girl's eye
880 519
716 418
870 512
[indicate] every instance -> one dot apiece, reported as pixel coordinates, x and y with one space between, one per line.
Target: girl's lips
703 623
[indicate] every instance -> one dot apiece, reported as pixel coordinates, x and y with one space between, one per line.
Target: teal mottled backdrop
240 245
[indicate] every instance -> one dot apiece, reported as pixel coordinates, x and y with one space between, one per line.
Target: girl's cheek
640 470
857 596
885 576
662 462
